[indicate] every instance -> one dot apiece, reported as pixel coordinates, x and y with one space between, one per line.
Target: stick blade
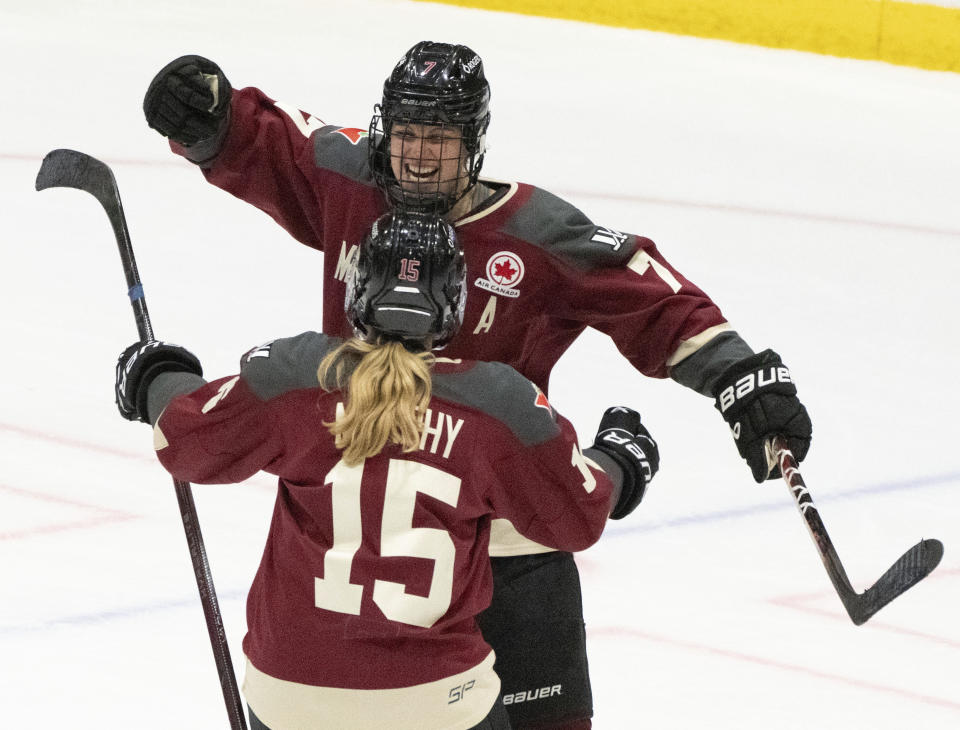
71 169
912 567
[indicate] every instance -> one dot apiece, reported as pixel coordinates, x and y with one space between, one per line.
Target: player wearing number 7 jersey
392 462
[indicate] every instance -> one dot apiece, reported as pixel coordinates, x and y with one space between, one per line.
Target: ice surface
814 198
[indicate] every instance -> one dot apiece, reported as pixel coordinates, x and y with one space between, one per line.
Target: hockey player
540 273
391 462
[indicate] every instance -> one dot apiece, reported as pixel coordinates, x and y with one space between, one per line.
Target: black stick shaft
912 567
811 516
134 287
188 509
211 607
69 168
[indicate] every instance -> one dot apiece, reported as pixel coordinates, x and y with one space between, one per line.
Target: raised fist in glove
624 439
139 364
758 400
188 101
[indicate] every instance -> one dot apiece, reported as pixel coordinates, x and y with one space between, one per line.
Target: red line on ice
75 443
104 516
801 602
620 632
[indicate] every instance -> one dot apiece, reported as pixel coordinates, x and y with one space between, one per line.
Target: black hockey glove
624 439
139 364
758 400
188 100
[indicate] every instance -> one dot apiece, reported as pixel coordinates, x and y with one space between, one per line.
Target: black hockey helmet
408 282
441 85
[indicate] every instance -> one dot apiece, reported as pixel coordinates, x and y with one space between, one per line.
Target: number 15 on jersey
398 537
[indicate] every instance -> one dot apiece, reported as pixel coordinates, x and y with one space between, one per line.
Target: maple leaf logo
503 271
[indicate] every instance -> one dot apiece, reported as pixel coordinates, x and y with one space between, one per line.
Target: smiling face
428 160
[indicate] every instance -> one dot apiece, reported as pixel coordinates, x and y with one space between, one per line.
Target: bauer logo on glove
749 383
758 399
626 440
629 444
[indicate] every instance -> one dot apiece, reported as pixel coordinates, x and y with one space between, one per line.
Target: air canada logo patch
504 272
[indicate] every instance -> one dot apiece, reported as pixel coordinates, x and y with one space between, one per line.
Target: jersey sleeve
286 364
267 161
220 433
550 493
655 316
228 430
620 284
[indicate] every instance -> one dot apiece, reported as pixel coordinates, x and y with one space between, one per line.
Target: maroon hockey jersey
372 574
539 270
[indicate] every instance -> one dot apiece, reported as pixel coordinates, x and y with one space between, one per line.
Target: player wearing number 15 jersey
392 463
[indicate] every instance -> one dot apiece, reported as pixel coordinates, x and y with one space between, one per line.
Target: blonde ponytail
387 394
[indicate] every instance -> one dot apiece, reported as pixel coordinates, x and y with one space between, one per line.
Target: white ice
814 198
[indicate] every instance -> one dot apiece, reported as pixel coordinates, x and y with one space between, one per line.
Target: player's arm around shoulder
227 430
286 364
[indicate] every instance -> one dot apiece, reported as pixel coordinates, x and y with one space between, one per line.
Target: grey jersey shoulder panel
554 225
501 392
167 386
700 370
286 364
333 150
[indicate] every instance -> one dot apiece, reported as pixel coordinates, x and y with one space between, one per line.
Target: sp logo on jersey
504 271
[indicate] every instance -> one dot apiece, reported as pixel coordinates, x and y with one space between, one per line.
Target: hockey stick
71 169
912 567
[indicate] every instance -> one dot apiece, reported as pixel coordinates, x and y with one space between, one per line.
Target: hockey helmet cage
408 282
436 84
